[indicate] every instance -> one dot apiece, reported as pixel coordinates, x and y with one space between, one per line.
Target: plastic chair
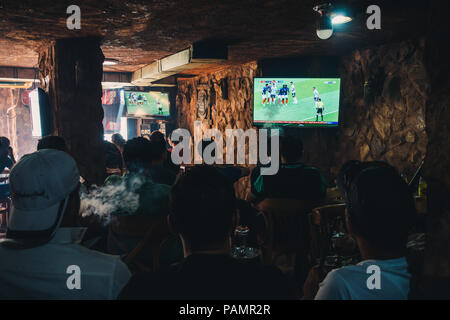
286 228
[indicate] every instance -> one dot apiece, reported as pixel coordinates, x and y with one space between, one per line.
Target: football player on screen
284 91
273 91
293 93
265 94
319 109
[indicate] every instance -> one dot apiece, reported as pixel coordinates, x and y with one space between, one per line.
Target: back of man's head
137 154
52 142
4 141
202 205
113 156
157 136
118 140
380 205
291 148
158 145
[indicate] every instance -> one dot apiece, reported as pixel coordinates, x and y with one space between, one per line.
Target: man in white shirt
316 94
41 255
380 211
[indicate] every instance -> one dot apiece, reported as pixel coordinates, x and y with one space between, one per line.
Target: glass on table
240 249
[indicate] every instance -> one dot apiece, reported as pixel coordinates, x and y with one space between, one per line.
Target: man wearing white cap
41 257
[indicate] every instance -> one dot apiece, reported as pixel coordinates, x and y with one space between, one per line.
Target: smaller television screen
147 104
41 117
302 102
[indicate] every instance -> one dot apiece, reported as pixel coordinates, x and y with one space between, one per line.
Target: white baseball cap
40 182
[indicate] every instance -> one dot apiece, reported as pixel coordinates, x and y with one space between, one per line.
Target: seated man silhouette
380 212
233 173
153 202
293 180
42 246
159 171
202 210
153 197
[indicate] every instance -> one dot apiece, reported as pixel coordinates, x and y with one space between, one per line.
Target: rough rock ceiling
138 32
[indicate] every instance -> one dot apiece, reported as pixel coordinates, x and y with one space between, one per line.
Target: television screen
41 117
304 102
142 104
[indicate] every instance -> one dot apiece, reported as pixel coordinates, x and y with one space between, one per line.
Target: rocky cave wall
16 124
384 92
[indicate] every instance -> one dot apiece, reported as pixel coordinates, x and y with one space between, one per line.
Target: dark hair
291 148
113 156
379 203
137 154
117 139
159 146
202 204
157 136
4 141
4 147
52 142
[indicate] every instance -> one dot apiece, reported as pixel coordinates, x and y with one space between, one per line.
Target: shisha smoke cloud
122 197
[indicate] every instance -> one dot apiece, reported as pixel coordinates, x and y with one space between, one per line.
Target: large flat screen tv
147 104
303 102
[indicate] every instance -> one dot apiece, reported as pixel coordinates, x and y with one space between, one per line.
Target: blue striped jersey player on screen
293 93
284 91
265 94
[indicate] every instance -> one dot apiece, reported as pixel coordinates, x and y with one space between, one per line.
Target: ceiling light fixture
324 28
340 18
110 62
330 15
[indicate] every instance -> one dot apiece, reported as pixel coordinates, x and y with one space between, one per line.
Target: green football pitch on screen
147 103
298 105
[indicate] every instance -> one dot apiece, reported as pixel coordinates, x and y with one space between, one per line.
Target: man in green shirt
153 201
293 180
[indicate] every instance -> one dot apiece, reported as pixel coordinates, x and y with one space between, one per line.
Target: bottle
422 187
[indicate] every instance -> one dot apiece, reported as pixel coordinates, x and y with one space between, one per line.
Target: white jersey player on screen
273 92
316 96
293 93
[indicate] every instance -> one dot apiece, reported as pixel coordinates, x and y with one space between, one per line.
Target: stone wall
435 283
384 94
16 124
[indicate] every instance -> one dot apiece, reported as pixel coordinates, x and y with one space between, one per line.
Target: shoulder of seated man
150 285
